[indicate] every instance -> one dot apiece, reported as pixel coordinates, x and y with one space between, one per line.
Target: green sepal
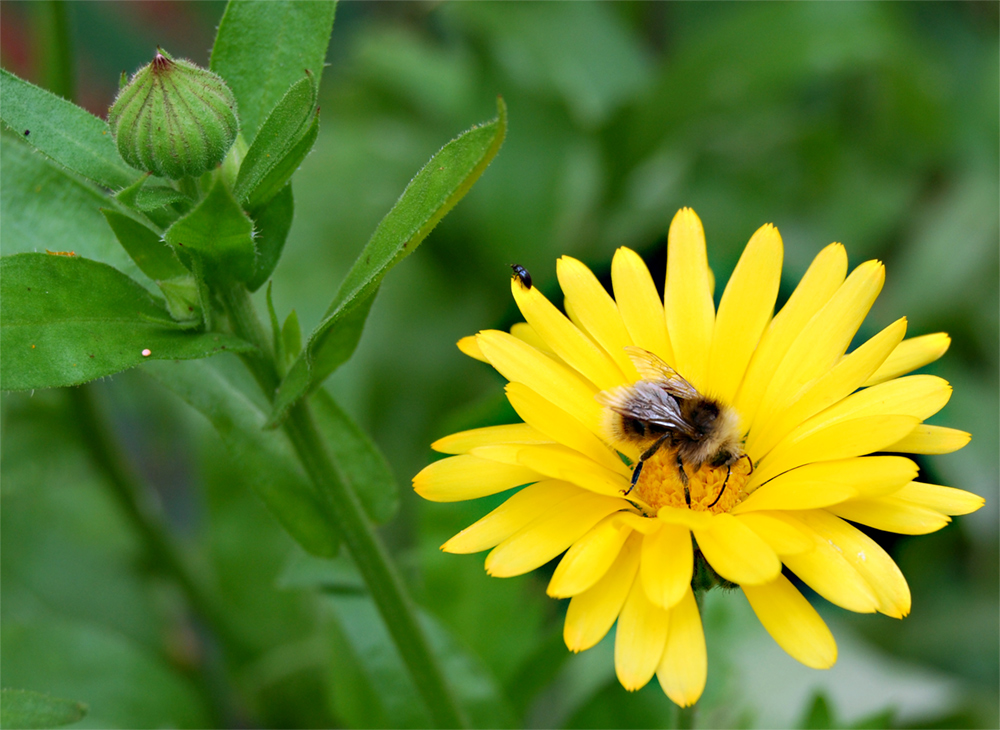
434 191
280 146
65 320
217 232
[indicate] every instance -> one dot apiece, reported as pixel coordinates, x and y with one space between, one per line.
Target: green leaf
262 47
819 714
267 456
271 224
275 180
124 683
291 339
44 206
434 191
364 662
60 129
286 126
219 233
66 320
357 458
21 708
155 258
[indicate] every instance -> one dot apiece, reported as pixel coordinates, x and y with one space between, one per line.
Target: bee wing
647 402
653 369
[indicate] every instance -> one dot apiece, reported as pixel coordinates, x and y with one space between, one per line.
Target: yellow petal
891 515
736 552
470 347
502 453
824 339
827 571
824 277
828 482
926 439
527 334
464 477
560 462
842 380
521 363
574 347
744 311
782 537
639 304
688 298
841 440
542 540
591 614
597 312
667 565
514 433
639 639
946 500
920 396
909 355
589 558
520 510
559 426
871 562
693 520
684 666
793 623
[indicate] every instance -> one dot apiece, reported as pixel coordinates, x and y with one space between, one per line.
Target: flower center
660 484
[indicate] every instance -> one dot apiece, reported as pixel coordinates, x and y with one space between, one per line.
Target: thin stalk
55 40
351 523
685 717
141 512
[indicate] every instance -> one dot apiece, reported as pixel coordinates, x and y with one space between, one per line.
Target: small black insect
27 132
522 275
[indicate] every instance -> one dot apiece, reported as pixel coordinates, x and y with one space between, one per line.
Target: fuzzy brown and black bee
664 411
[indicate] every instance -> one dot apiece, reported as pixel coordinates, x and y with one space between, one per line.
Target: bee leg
684 480
729 470
647 454
749 461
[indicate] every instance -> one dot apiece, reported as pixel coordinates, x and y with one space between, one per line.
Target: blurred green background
873 124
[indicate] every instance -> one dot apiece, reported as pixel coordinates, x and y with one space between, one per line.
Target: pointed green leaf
286 126
60 129
153 197
271 224
44 206
267 455
358 458
21 708
219 233
154 257
434 191
66 320
280 174
262 47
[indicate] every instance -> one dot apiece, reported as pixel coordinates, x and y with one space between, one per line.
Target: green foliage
218 234
63 131
21 708
67 320
874 124
262 48
283 141
434 191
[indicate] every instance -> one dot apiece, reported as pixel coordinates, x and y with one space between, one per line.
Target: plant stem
685 717
160 547
54 37
348 518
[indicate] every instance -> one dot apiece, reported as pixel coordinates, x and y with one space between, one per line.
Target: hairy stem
348 518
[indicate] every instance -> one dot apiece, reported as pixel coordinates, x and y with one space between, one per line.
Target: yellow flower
809 415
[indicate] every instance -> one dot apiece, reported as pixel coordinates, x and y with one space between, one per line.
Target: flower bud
174 118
